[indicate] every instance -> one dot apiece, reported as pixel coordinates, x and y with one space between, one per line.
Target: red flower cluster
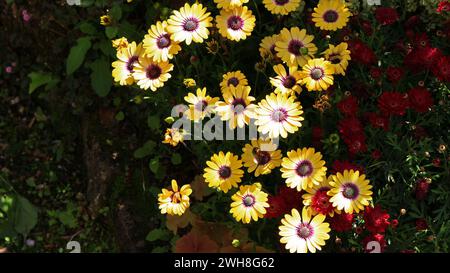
374 238
348 106
342 222
420 99
394 74
443 6
376 219
361 53
386 16
421 190
393 103
441 69
341 166
321 202
283 202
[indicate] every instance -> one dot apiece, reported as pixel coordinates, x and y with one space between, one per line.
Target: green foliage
77 54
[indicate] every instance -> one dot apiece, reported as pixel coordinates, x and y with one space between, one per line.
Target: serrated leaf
101 78
77 54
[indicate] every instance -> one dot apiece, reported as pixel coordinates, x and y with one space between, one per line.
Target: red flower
350 126
376 219
277 207
412 21
366 27
421 224
317 136
374 238
420 99
393 103
421 190
420 40
376 72
361 53
394 223
348 106
436 162
376 154
341 222
321 202
394 74
341 166
356 144
442 69
378 121
422 58
386 16
420 132
443 6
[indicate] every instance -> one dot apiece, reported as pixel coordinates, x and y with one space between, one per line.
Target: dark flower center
131 62
281 2
235 22
334 58
350 191
262 157
238 105
176 198
233 81
248 200
295 47
289 82
190 24
330 16
153 71
279 115
304 231
272 50
316 73
224 172
201 105
163 41
304 168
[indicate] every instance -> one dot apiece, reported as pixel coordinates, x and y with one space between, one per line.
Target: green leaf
154 165
101 78
116 12
157 234
120 116
38 79
145 150
176 159
160 249
153 122
24 215
87 28
77 54
111 32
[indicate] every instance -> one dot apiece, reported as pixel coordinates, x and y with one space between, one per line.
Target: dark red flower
442 69
393 103
420 40
277 207
341 222
394 74
372 248
378 121
394 223
376 72
444 6
348 106
421 190
386 15
420 99
420 132
366 27
317 136
361 53
291 197
376 154
321 202
356 144
350 126
421 224
412 21
376 220
422 58
436 162
341 166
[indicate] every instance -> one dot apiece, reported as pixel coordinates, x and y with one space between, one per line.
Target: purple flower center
153 71
261 157
238 105
305 231
289 82
235 22
224 172
190 24
281 2
316 73
304 168
163 41
295 46
330 16
279 115
201 105
350 191
248 200
233 81
131 62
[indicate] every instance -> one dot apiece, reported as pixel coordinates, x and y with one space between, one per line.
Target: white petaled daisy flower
237 107
249 203
151 74
189 24
286 82
157 43
303 168
128 58
278 115
236 24
303 233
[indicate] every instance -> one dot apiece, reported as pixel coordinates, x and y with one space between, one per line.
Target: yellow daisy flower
249 203
317 200
282 7
105 20
223 171
173 136
257 157
267 46
317 75
234 78
125 66
189 24
236 24
237 107
120 43
151 74
200 106
174 202
229 4
303 168
331 15
286 82
278 115
295 46
338 56
350 191
158 44
303 233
